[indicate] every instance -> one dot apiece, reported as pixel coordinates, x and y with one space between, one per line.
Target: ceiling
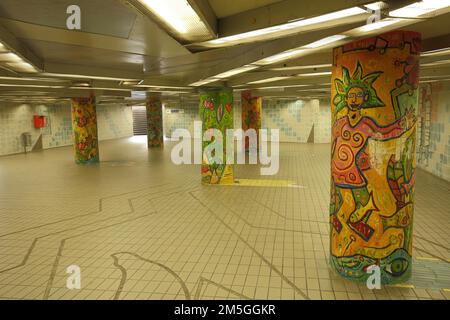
121 49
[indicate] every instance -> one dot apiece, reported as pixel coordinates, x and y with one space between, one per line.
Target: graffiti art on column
251 114
374 105
84 124
154 122
216 112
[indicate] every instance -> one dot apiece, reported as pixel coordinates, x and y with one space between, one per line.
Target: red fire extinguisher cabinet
39 121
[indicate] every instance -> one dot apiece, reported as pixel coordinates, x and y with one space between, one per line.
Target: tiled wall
15 119
295 119
114 121
434 130
180 120
322 126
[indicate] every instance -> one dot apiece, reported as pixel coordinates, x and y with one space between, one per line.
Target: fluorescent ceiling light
289 54
420 9
9 57
289 86
30 86
439 52
314 89
203 82
180 17
65 75
159 87
315 66
377 25
376 6
99 88
236 71
325 41
131 82
224 75
32 79
3 48
269 80
21 66
435 63
314 74
297 52
430 81
326 20
433 77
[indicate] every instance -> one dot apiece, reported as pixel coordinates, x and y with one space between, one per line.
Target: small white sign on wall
174 111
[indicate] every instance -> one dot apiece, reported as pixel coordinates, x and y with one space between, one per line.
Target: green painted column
155 138
84 125
374 100
216 112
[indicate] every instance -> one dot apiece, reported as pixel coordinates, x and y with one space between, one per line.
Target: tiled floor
140 227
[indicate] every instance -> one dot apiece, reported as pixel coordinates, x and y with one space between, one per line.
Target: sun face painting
374 104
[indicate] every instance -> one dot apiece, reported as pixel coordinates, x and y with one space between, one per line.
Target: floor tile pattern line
271 266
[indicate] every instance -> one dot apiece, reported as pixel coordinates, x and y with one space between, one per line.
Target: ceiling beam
206 13
62 93
436 43
279 13
253 52
15 45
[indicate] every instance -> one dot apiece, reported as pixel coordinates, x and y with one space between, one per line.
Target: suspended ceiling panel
77 55
225 8
106 17
152 42
432 28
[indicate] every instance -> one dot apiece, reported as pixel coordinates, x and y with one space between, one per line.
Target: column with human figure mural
374 98
251 116
84 125
216 112
155 138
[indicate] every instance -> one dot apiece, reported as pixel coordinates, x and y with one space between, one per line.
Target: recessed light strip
421 9
179 17
435 5
14 62
328 20
269 80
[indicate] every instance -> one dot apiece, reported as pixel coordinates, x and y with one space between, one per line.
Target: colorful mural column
84 124
154 122
251 115
374 105
216 112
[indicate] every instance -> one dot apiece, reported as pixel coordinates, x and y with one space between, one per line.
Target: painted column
84 124
216 112
154 122
374 98
251 115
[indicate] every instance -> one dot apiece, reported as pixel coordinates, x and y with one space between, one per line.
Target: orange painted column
251 115
84 124
374 99
155 138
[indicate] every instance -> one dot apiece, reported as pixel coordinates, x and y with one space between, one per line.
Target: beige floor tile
140 227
